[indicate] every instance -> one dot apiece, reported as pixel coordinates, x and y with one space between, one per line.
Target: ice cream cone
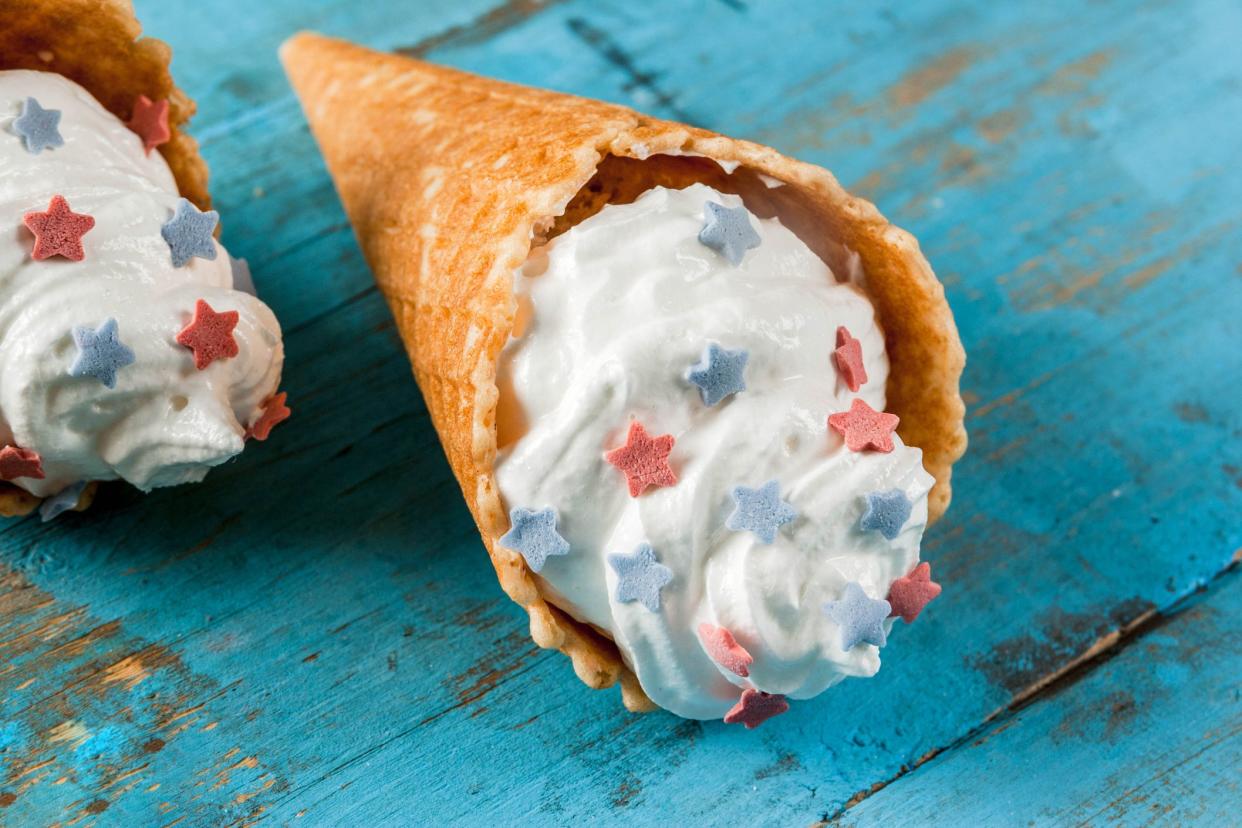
449 178
98 44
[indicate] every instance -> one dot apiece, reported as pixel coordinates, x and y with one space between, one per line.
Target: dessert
701 401
125 350
756 509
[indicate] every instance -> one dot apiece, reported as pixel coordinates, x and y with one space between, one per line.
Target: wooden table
314 635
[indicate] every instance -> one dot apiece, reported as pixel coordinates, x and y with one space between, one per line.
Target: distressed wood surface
1152 735
314 636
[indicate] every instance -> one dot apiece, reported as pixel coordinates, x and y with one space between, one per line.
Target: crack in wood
480 29
601 42
1106 648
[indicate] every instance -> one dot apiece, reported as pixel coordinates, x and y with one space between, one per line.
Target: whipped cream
611 314
165 422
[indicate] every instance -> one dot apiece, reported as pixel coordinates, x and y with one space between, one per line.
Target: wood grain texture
1151 736
314 636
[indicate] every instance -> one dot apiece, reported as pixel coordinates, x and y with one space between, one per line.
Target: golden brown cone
448 177
98 44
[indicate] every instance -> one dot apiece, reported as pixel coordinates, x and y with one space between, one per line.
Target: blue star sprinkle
534 535
61 502
38 126
860 618
760 510
886 512
640 577
727 230
719 373
100 353
242 280
188 233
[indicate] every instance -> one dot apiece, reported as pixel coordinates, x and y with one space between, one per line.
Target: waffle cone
98 45
448 179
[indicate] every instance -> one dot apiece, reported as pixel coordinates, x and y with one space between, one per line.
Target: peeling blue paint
11 737
108 742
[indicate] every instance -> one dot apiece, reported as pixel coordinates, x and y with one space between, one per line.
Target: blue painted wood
314 636
1151 737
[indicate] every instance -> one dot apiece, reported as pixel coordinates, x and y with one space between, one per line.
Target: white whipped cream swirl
611 315
165 422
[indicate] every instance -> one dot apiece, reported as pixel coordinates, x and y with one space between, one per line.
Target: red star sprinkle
274 411
19 462
644 459
755 707
848 357
724 649
865 428
910 593
150 121
58 231
209 335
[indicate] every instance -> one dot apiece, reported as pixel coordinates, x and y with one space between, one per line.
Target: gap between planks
1103 650
483 27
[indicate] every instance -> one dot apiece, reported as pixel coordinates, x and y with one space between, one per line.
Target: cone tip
299 42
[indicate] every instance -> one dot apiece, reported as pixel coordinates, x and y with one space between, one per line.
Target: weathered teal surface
314 635
1148 737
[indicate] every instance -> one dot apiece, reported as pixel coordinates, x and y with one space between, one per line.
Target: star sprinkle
640 577
188 233
19 462
719 373
644 459
534 535
150 121
755 707
38 126
58 231
848 357
760 510
910 593
724 649
886 512
274 412
209 335
860 618
100 353
61 502
865 428
727 230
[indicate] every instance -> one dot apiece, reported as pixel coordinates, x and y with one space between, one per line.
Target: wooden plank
226 52
278 206
315 630
1153 736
